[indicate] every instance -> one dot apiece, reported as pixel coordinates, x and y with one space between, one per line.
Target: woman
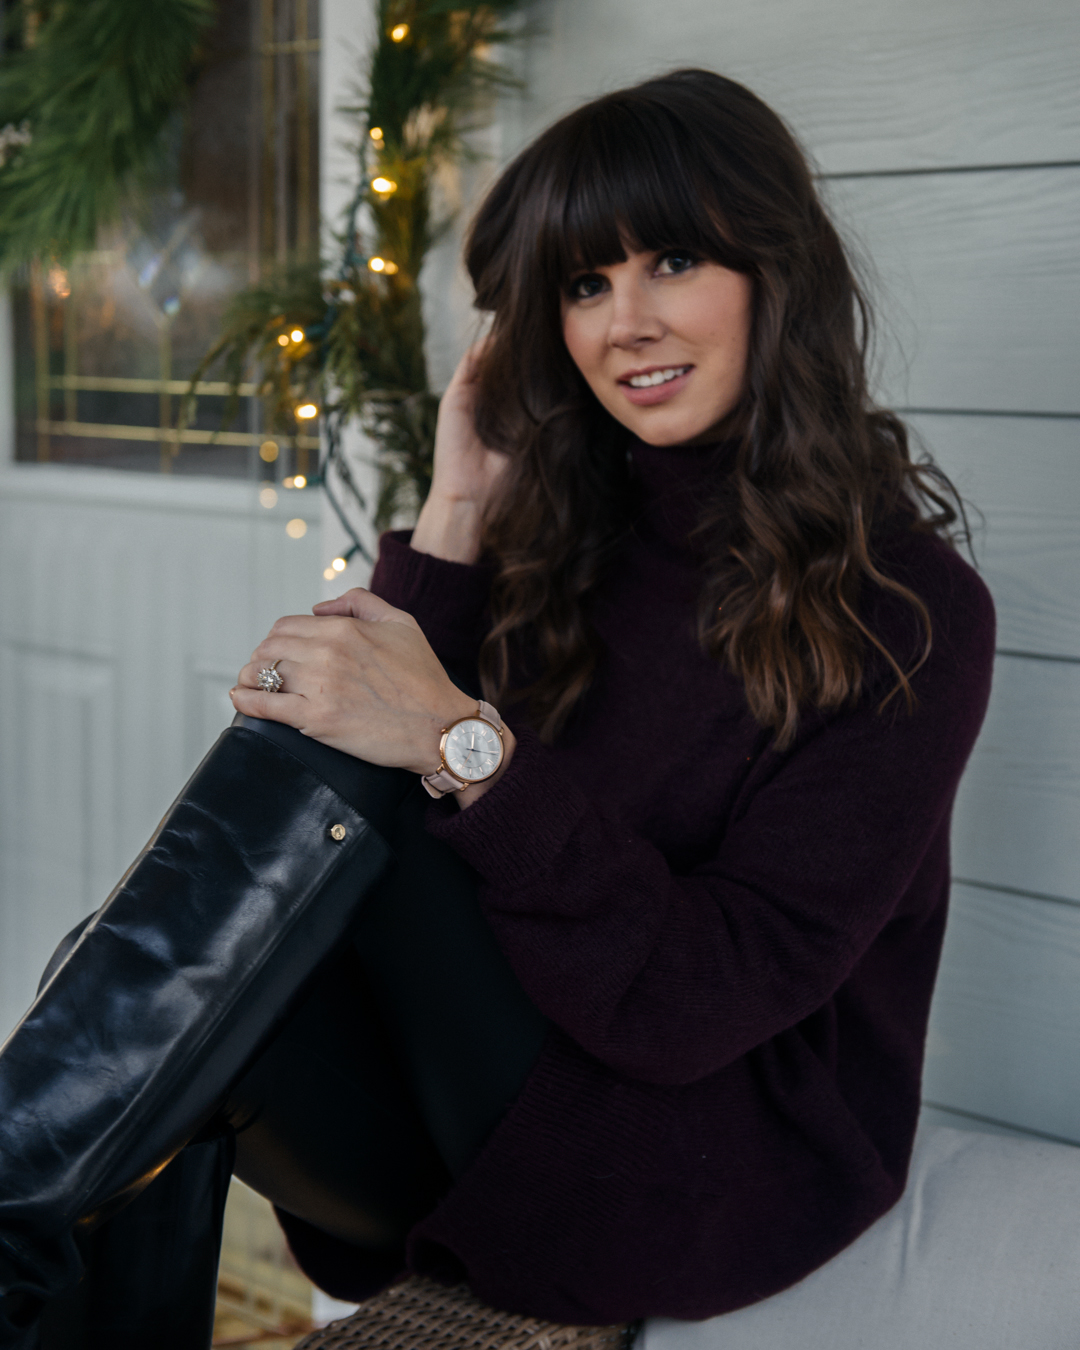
632 1022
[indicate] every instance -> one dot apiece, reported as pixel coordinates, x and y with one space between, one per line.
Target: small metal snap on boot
338 832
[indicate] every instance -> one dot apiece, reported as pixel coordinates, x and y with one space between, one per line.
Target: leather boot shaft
253 877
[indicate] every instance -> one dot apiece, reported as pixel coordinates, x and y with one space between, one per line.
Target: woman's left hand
359 676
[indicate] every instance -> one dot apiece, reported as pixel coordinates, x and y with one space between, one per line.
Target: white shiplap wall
947 133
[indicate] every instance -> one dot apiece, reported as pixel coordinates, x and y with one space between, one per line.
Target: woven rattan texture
419 1314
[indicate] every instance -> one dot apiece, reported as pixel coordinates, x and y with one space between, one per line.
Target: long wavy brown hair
696 162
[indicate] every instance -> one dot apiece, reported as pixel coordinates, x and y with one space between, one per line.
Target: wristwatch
470 751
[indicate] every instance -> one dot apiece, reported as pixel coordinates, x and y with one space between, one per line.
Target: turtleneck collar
675 482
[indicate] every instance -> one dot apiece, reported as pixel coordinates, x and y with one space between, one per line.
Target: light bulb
329 574
376 133
267 497
283 340
399 32
384 186
339 564
297 335
307 410
377 264
268 451
299 481
296 528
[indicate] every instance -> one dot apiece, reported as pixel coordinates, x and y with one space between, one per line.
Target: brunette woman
630 1020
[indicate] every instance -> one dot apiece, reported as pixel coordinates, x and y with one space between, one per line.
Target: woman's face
662 340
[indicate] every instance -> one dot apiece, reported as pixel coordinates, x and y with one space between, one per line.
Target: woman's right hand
466 473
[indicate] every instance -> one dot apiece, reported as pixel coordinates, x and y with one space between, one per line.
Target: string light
58 280
383 265
267 497
307 411
296 528
384 186
299 481
399 32
340 563
376 133
297 335
268 451
283 340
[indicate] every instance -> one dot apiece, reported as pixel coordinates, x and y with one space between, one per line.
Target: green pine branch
430 80
96 90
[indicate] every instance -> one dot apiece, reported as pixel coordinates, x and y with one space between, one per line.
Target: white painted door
128 602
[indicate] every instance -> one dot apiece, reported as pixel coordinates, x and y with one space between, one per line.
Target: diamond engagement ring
269 679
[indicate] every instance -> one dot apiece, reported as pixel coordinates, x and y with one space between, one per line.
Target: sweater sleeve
447 599
668 978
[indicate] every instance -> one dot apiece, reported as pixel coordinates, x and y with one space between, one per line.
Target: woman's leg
462 1031
252 880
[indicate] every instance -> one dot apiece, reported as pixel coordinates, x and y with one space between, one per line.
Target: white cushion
981 1253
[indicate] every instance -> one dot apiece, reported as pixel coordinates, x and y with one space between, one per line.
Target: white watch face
473 749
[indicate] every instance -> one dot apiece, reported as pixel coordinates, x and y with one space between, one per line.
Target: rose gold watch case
445 768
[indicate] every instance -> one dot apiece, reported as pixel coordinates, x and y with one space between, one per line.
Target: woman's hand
466 473
360 676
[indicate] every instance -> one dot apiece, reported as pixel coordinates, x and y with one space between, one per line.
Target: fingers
361 604
288 708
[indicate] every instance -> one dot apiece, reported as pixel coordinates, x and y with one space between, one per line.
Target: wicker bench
419 1314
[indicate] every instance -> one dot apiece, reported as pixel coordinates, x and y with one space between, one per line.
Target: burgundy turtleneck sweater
736 947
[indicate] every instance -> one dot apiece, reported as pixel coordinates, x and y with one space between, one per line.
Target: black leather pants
371 1098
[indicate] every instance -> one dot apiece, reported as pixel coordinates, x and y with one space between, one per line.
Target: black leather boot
252 879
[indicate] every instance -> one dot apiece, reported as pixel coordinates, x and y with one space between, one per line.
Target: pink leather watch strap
442 781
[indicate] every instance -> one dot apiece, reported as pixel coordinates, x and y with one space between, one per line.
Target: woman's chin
671 431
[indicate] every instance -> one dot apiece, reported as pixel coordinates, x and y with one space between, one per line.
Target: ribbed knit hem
519 824
452 596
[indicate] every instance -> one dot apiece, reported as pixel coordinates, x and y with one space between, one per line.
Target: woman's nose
633 319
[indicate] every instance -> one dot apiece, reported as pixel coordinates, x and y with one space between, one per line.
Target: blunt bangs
627 173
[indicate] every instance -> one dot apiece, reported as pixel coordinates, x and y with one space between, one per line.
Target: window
105 347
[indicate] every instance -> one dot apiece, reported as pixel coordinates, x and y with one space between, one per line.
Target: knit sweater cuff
447 599
516 828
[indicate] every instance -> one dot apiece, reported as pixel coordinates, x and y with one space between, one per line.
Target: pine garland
361 348
82 111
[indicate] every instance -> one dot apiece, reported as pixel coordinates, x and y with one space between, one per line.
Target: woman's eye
676 260
585 287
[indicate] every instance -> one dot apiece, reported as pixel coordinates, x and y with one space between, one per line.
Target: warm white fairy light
268 451
297 335
296 528
267 497
329 574
283 340
339 564
383 186
299 481
399 32
306 411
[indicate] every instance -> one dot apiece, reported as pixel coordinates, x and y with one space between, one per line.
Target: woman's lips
655 393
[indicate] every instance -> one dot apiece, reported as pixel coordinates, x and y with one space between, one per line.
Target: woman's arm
670 977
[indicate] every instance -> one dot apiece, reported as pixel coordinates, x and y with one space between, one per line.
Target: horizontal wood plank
1023 475
976 277
1017 820
890 84
1006 1017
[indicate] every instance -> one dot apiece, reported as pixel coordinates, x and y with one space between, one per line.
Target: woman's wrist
467 796
449 528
